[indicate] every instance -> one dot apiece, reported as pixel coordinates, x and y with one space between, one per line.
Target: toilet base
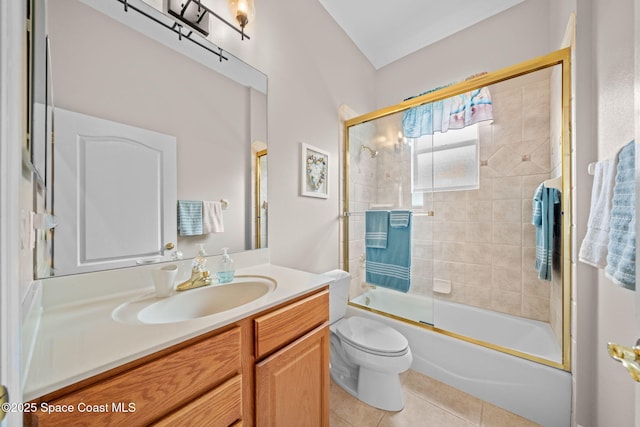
347 383
387 397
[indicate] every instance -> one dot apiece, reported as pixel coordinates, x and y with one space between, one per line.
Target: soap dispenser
225 267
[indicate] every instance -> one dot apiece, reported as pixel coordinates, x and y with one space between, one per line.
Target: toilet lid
372 336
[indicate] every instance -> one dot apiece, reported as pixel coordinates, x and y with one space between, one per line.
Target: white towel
593 250
212 217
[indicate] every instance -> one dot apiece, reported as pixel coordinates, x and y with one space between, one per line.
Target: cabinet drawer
155 388
278 328
221 407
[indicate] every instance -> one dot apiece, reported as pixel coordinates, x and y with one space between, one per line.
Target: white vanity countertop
75 342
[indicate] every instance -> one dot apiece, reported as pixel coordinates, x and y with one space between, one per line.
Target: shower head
372 152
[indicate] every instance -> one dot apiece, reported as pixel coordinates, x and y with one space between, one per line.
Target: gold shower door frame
560 57
260 221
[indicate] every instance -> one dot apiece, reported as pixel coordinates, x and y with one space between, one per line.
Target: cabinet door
292 385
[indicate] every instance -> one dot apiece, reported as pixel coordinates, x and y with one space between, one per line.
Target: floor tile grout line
484 408
444 408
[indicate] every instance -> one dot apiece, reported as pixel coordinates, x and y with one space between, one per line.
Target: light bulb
242 10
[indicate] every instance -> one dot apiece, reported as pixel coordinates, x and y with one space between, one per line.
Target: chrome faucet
200 276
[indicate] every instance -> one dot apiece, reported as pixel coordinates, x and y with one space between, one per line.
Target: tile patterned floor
427 403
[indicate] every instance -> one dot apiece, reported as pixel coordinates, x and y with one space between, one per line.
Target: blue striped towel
399 218
543 217
621 256
391 267
190 217
376 226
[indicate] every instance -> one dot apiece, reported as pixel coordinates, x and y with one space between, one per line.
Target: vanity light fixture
174 26
195 14
243 10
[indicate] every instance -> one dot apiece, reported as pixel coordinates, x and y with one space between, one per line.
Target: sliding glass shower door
390 220
488 256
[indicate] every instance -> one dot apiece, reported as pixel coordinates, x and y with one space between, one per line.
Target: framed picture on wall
314 167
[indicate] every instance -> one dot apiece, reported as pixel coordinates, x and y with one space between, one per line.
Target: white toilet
367 356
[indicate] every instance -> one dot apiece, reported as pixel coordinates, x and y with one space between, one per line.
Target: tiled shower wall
482 241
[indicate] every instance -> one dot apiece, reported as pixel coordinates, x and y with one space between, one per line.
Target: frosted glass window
446 161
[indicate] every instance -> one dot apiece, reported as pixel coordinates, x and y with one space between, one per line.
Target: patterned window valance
452 113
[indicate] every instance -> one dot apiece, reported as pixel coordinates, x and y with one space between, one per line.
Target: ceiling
386 31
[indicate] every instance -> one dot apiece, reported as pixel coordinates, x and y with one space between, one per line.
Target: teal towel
376 226
545 202
399 218
391 267
190 217
621 256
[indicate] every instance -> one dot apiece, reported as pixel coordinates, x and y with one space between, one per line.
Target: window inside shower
445 161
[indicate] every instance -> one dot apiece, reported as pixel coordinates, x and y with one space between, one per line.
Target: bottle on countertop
200 262
225 268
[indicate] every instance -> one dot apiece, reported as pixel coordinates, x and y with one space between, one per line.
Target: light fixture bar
176 28
220 18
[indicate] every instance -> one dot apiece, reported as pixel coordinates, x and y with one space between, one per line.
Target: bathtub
533 390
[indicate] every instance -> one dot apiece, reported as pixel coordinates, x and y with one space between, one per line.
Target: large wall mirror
149 124
484 166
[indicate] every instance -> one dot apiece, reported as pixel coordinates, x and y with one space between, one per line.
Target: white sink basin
195 303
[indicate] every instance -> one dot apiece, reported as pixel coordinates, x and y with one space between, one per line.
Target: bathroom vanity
245 366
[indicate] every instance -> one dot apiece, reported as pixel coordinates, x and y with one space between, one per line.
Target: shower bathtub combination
479 278
535 391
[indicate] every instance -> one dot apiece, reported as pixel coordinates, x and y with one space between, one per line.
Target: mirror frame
560 57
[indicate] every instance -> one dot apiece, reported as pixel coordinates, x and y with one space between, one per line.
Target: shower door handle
628 356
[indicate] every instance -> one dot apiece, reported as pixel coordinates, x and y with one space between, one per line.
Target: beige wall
313 68
513 36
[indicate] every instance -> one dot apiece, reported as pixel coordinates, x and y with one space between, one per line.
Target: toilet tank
338 294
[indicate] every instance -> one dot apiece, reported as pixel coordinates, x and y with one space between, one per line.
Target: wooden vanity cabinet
270 369
222 406
292 381
155 387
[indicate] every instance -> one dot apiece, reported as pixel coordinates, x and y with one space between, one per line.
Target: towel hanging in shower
390 267
376 225
546 203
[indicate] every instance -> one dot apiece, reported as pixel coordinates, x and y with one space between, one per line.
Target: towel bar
415 213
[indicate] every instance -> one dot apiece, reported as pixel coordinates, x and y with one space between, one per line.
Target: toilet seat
372 337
